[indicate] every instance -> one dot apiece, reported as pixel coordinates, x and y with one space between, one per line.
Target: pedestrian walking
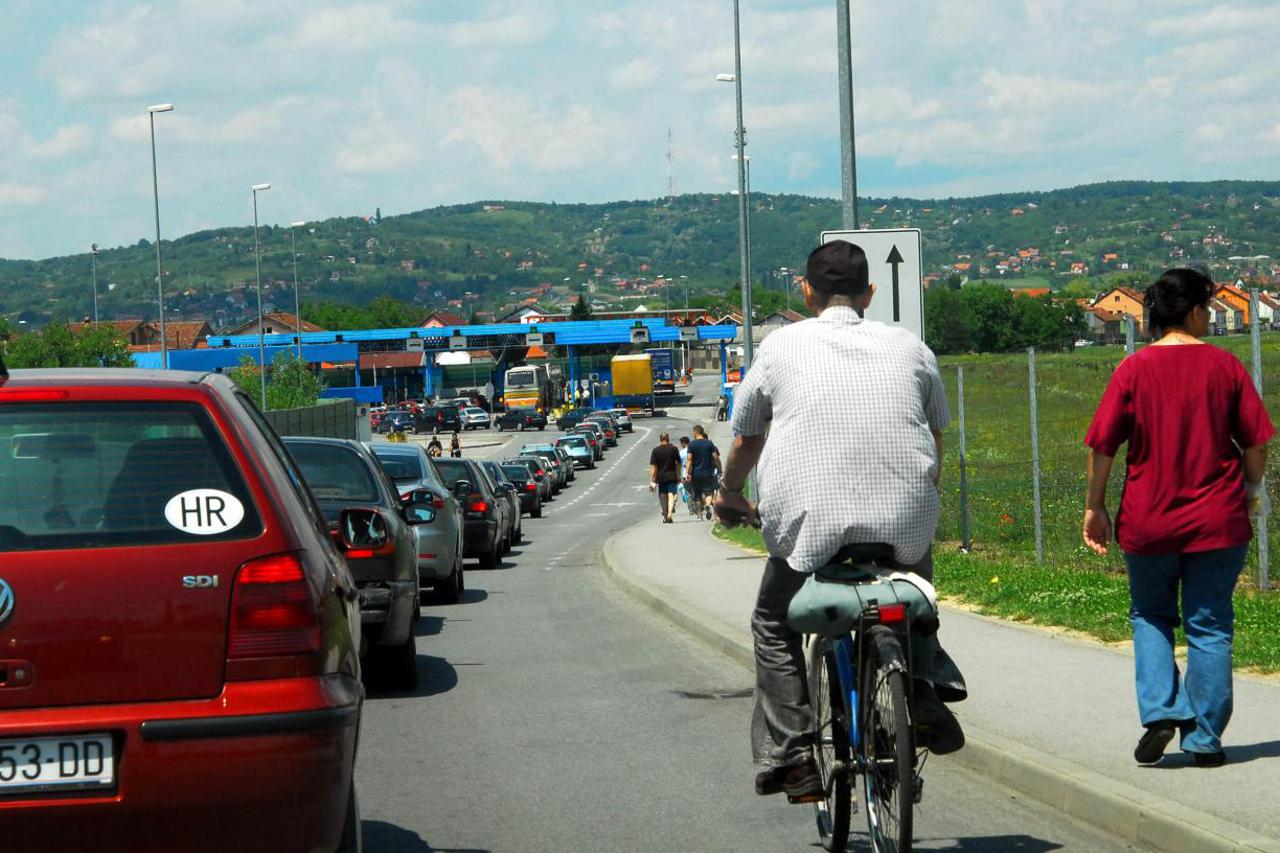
722 408
664 475
434 448
455 446
702 470
1197 436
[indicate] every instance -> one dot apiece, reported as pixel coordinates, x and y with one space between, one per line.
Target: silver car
439 541
623 417
474 417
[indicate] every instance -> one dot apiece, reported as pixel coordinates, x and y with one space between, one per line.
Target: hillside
489 255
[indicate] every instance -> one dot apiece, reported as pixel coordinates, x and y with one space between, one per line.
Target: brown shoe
801 782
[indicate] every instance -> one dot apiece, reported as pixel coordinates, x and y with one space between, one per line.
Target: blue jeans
1200 703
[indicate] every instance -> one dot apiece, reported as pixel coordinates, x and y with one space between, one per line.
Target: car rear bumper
390 604
478 536
528 502
263 766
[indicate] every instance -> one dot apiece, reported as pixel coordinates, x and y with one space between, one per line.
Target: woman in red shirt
1197 433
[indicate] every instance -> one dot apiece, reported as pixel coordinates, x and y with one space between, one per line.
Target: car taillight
530 487
476 504
274 621
437 502
539 473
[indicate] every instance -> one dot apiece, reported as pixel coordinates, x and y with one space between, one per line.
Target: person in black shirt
664 475
703 470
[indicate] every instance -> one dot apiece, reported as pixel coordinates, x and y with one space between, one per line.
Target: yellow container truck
633 382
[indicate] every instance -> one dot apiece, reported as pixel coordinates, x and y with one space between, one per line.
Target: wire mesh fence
996 504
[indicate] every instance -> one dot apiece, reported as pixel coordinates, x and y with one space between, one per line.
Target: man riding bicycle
845 417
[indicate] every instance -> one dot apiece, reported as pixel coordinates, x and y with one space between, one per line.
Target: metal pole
1035 455
155 188
1130 334
964 464
93 260
748 347
297 301
1255 333
262 345
848 156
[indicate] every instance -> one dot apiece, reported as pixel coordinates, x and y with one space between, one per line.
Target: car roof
105 376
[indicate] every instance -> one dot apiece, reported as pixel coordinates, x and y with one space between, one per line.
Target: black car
343 475
507 489
397 422
526 487
545 479
484 511
572 418
521 419
438 419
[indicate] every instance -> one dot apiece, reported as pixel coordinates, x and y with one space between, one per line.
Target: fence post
964 475
1255 332
1035 456
1130 334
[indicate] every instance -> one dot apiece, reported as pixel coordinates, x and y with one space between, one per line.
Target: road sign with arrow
894 261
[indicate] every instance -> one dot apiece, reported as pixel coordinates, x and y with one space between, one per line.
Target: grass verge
1092 601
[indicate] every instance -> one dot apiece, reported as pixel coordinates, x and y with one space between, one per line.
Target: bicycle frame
850 655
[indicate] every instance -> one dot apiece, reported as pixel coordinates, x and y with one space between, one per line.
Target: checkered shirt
849 406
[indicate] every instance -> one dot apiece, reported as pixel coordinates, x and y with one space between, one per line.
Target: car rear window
334 472
108 474
516 472
453 470
401 467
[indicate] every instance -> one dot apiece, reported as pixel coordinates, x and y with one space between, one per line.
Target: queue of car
178 583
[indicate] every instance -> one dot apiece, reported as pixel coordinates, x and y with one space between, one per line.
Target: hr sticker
204 512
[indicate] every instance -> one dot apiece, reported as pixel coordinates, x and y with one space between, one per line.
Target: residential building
1124 300
273 323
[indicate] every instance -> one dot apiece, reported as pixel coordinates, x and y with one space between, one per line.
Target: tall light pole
297 300
93 261
740 134
747 158
848 159
155 188
257 263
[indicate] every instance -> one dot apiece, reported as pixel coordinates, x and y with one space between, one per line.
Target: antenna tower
671 179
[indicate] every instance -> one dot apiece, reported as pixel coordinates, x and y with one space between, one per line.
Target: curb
1129 813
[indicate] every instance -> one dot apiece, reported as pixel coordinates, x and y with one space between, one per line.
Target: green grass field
1074 588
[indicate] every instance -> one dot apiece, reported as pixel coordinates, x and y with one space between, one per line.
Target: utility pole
748 346
848 156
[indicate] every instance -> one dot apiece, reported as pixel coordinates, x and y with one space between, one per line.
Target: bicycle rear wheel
830 746
887 748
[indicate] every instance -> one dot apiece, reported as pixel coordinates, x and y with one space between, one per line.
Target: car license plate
56 763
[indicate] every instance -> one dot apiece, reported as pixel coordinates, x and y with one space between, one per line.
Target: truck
664 370
633 382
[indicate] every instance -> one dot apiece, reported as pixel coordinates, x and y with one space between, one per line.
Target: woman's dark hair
1173 295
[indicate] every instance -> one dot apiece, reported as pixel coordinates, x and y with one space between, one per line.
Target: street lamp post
93 261
740 134
848 155
257 263
155 189
297 300
747 157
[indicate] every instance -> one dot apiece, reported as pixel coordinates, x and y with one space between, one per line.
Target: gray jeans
780 726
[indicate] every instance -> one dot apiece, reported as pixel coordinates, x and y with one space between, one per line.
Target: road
554 714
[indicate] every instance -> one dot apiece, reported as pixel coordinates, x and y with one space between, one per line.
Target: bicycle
859 621
859 692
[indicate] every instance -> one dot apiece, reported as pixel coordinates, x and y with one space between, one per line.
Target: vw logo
6 601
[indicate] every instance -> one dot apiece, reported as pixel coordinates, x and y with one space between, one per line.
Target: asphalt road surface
555 714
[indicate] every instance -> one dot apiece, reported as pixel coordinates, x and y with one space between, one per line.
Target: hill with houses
490 257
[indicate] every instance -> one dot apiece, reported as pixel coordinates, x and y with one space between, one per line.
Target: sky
402 105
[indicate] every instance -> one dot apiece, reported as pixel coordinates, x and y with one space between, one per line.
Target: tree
56 346
292 384
581 309
377 216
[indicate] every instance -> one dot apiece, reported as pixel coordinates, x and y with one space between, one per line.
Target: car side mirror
420 512
462 488
364 533
420 496
507 487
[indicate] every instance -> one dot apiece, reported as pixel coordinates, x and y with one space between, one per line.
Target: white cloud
637 74
68 139
22 194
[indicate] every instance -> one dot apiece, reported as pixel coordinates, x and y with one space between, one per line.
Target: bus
530 386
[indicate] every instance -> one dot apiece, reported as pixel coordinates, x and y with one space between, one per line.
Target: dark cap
838 267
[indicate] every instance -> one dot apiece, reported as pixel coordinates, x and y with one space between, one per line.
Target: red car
179 634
